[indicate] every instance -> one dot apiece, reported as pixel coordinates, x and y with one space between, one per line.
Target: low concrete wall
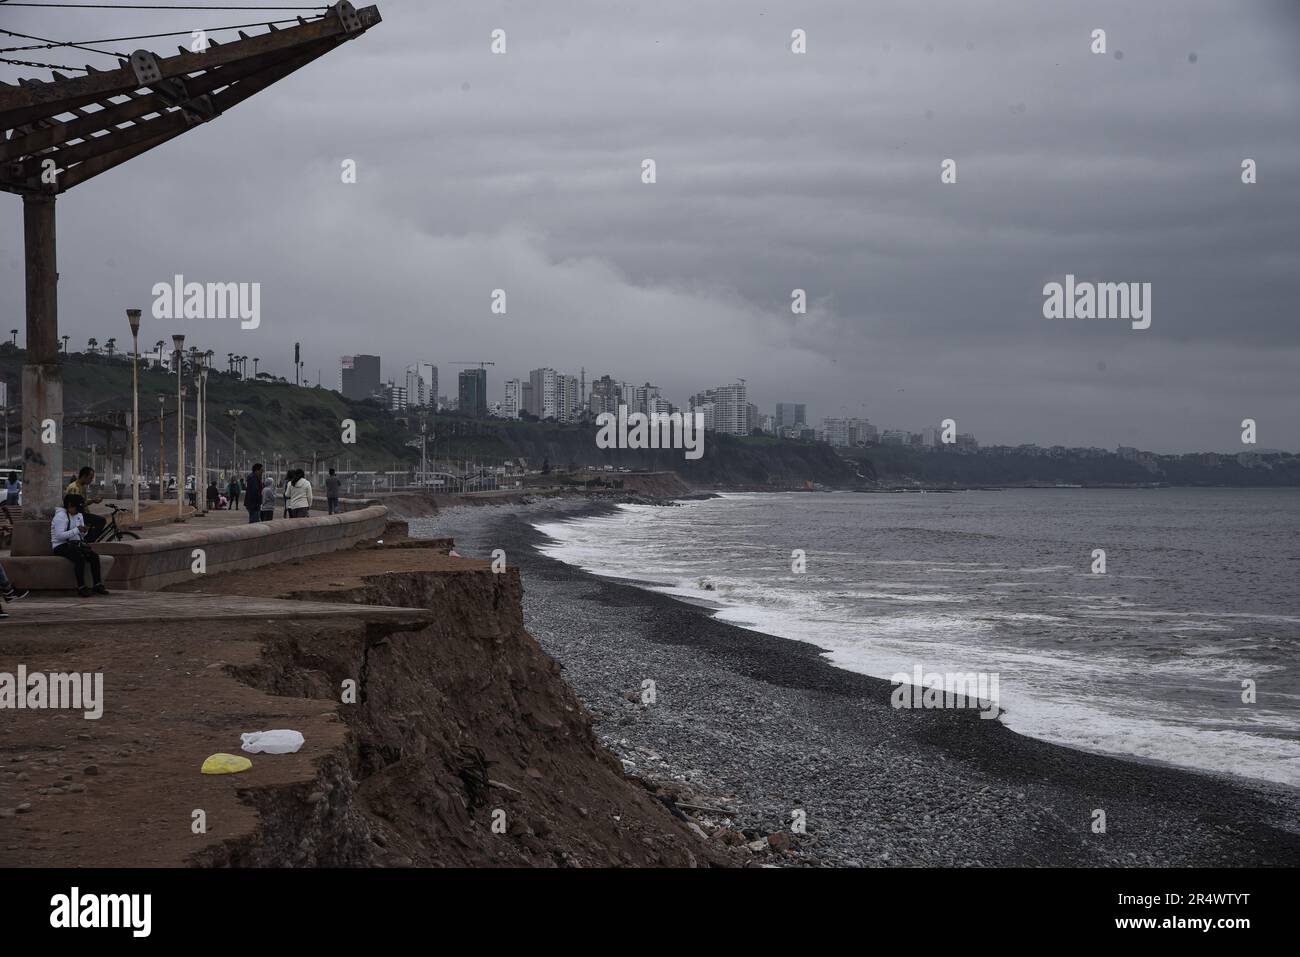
156 562
50 573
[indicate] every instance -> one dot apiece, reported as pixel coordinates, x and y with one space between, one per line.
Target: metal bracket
145 65
348 16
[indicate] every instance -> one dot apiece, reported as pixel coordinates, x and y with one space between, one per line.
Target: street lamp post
234 450
178 341
162 444
198 425
203 424
133 317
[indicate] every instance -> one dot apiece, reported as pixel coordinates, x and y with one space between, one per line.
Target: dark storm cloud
775 171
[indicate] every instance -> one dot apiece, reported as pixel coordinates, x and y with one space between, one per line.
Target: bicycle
111 532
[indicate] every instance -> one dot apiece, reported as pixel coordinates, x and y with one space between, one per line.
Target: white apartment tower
730 412
514 399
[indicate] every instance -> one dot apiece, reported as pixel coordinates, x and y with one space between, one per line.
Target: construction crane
480 364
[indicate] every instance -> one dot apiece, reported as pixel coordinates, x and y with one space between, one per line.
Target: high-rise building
567 398
526 397
605 396
514 399
416 388
394 397
546 401
359 376
792 416
472 398
642 398
730 408
429 373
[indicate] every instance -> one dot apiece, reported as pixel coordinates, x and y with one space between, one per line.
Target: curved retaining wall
156 562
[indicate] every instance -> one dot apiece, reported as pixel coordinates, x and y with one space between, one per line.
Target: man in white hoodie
67 537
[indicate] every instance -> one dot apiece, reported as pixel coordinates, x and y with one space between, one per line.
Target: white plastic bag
272 742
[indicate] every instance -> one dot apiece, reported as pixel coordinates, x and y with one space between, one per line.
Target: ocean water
1201 593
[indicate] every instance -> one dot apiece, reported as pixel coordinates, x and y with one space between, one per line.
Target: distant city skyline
528 393
818 174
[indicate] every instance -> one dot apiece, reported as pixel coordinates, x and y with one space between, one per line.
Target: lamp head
133 317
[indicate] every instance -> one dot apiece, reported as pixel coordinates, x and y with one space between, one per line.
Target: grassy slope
278 418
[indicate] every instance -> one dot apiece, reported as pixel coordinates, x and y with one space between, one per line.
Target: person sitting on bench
80 486
68 538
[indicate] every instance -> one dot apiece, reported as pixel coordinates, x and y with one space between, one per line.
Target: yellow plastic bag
226 764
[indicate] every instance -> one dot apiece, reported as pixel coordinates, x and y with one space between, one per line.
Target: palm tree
158 347
92 345
110 347
65 343
230 362
14 333
256 360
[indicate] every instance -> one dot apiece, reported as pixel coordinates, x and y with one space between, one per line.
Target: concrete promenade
169 552
180 610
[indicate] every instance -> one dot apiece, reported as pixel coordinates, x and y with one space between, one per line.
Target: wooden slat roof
89 124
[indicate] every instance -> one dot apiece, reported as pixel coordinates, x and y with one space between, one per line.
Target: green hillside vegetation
278 419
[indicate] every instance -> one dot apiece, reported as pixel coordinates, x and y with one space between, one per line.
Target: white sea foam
1123 678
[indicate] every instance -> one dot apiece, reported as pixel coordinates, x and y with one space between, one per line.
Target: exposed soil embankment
458 725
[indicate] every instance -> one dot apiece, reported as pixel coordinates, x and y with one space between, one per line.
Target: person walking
9 592
213 495
232 492
68 540
253 497
299 495
268 499
332 485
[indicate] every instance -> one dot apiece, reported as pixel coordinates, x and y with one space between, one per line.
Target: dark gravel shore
765 726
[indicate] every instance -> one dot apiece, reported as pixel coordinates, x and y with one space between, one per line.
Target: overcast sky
775 171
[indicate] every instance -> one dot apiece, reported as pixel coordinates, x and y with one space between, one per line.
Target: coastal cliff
459 725
437 731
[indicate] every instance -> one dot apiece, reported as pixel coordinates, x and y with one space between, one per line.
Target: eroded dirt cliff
464 745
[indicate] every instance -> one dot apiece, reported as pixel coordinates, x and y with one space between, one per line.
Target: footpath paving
172 609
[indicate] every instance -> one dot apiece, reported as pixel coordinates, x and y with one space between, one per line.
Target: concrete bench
50 572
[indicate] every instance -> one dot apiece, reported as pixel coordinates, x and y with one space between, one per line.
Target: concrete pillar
42 371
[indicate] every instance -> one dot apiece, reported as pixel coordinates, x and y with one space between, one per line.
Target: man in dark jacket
253 494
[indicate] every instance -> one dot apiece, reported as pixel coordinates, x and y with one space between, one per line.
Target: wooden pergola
57 134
